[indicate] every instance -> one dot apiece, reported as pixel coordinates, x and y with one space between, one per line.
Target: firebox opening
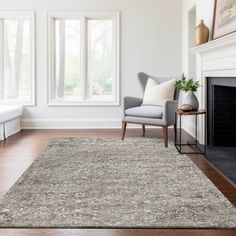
221 107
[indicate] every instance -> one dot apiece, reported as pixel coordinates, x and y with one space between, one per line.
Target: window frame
17 15
83 16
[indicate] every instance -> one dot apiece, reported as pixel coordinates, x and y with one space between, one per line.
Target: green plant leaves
187 85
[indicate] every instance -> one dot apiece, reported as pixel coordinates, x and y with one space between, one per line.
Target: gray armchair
135 113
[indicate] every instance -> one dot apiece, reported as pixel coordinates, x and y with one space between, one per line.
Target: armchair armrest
169 109
130 102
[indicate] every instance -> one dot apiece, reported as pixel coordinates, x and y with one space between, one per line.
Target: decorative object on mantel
201 33
190 86
224 19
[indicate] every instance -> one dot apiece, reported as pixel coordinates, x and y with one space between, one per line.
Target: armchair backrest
143 78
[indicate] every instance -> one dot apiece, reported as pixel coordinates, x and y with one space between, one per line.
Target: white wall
151 40
187 6
204 10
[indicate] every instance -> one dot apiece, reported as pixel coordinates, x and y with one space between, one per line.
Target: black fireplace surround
221 109
221 125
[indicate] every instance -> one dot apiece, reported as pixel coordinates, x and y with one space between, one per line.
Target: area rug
108 183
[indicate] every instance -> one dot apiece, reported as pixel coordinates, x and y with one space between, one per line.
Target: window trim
13 15
83 15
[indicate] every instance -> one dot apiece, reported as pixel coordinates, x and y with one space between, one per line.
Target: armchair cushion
145 111
156 94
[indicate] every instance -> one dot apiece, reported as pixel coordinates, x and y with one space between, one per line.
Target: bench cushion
145 111
8 112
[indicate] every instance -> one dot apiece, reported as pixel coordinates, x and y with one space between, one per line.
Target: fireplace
216 71
221 109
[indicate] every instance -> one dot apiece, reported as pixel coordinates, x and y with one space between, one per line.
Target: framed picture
224 20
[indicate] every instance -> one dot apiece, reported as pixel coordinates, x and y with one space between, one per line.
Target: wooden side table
179 144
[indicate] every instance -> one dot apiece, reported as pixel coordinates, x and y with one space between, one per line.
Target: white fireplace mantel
214 44
216 58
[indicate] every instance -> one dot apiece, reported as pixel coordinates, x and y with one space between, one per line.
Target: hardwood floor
20 150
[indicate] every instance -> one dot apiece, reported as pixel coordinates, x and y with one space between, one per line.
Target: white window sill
83 103
20 103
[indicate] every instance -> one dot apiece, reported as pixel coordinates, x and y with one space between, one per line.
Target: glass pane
17 59
67 38
100 81
25 72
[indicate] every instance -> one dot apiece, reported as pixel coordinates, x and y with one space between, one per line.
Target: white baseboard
70 123
74 124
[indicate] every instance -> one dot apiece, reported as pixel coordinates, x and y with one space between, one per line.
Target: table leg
205 131
180 131
195 129
175 128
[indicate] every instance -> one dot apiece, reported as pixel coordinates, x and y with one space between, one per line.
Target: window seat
9 120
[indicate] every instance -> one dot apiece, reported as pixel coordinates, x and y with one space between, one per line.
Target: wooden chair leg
124 124
165 133
143 130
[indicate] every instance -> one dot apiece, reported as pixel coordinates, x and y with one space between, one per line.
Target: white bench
9 120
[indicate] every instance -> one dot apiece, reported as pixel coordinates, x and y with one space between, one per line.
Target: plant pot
192 100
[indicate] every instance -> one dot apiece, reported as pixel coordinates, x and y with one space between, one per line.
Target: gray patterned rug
107 183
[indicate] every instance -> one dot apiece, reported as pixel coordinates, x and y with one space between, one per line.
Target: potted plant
190 86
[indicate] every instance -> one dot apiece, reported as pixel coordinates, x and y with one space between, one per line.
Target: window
84 58
17 74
